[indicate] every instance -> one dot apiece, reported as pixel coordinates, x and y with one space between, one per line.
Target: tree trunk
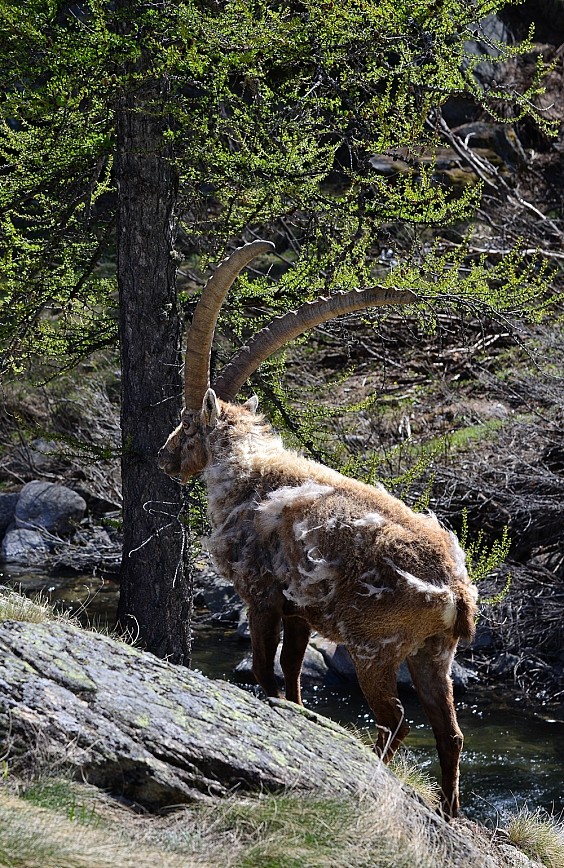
156 593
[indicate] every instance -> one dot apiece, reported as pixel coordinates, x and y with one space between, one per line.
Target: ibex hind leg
430 671
264 627
294 645
377 676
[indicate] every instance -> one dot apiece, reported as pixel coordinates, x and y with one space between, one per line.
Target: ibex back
309 548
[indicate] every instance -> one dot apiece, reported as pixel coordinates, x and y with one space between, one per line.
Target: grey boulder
48 506
23 546
314 669
7 509
338 659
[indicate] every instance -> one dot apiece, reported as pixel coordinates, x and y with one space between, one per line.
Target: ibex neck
247 465
239 461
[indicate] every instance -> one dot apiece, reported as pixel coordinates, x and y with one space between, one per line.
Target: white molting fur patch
375 651
255 444
280 564
372 588
219 480
429 591
446 656
430 515
394 639
314 570
373 591
417 584
371 519
271 509
302 529
449 614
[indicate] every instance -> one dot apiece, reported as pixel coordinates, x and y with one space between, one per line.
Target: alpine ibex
308 548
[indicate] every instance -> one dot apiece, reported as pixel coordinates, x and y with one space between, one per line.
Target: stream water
513 754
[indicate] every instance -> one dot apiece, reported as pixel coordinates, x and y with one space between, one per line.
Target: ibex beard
308 548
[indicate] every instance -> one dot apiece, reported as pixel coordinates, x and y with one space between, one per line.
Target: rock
218 595
337 658
505 665
493 29
46 505
39 457
23 546
516 858
243 625
460 108
483 639
314 669
497 138
7 509
461 676
161 735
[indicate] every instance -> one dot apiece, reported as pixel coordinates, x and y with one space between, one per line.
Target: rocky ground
156 736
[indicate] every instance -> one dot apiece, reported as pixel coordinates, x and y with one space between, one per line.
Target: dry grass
538 834
67 825
38 610
34 837
405 767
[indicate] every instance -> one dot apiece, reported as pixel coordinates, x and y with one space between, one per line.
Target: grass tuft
33 837
38 610
405 767
537 834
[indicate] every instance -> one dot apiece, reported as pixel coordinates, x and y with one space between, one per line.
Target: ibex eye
189 428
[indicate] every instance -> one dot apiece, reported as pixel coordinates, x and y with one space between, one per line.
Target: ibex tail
464 625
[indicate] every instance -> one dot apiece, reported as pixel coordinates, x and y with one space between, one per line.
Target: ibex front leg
377 675
296 637
430 671
264 627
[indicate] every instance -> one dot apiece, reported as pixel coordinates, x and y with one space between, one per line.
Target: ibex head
186 452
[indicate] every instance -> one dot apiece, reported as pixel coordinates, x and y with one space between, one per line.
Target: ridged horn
284 328
200 336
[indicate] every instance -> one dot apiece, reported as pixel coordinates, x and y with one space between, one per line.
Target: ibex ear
252 404
210 409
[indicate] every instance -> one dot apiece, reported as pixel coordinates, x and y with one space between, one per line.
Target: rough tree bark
155 600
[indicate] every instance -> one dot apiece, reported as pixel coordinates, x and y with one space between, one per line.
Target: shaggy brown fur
310 548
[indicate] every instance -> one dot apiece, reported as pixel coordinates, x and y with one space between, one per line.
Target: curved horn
200 336
288 326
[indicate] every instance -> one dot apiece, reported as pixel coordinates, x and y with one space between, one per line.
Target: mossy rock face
160 734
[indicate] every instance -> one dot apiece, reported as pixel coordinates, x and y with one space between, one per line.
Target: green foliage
483 558
55 153
273 115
